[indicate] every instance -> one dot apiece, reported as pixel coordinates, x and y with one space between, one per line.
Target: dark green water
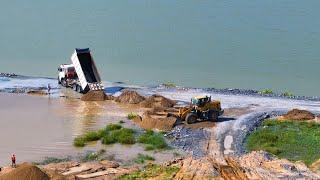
218 43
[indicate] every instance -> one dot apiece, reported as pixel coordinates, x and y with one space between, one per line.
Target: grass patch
287 94
292 140
169 84
92 136
49 160
153 140
79 142
142 158
112 127
266 91
112 133
152 171
92 156
132 115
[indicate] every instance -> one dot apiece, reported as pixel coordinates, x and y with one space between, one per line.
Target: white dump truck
82 75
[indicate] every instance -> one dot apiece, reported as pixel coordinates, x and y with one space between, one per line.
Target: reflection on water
34 127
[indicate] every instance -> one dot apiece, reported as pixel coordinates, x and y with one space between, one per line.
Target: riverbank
71 117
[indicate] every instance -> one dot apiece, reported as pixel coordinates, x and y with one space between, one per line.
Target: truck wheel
74 87
63 82
79 89
191 118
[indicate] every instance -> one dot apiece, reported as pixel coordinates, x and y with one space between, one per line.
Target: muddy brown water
35 127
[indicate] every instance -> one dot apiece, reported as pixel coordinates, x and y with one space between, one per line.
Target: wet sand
34 127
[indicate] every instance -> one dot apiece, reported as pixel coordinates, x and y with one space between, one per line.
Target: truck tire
191 118
74 87
63 82
79 89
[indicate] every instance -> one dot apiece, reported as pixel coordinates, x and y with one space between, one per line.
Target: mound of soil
147 121
130 97
297 114
25 171
95 96
37 92
157 101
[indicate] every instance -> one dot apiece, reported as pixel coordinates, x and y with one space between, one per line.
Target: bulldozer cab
200 100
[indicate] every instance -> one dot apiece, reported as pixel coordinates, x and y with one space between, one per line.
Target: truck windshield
71 69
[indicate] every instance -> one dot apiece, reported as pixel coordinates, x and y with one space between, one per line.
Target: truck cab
65 73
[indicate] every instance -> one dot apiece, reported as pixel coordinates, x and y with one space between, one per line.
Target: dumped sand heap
95 96
149 121
156 101
25 171
130 97
297 114
37 92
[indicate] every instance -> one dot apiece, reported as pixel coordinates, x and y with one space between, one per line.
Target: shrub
124 136
287 94
152 140
91 136
152 171
169 84
132 115
266 91
112 127
141 158
79 142
107 139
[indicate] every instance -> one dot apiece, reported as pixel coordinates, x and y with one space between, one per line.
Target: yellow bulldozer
201 108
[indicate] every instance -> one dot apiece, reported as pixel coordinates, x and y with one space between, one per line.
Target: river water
223 44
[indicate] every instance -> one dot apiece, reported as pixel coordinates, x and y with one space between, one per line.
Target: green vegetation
115 133
153 140
132 115
123 136
141 158
91 136
266 91
169 84
79 142
112 127
293 140
48 160
93 156
287 94
152 171
121 122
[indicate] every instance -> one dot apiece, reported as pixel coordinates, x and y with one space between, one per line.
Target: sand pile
37 92
148 121
297 114
25 171
95 96
130 97
156 101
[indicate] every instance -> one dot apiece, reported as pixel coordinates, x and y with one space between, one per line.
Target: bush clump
142 158
266 91
123 136
293 140
132 115
152 171
153 140
79 142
